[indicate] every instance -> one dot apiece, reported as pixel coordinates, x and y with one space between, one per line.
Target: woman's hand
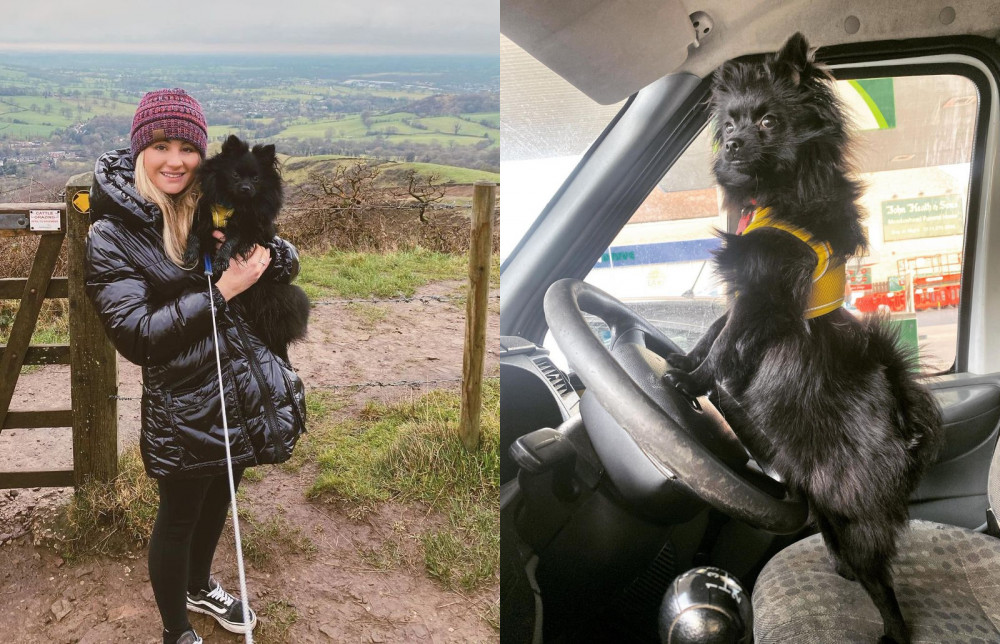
243 272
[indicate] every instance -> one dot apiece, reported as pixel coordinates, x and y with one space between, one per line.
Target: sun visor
598 45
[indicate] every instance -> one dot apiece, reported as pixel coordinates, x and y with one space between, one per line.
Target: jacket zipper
272 416
295 400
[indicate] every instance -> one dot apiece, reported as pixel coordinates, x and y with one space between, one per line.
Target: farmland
59 112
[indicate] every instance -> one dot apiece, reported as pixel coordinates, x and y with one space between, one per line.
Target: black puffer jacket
159 316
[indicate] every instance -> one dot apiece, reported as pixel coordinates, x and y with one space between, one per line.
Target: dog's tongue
745 221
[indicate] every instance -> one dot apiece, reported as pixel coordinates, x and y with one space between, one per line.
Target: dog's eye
768 122
729 127
255 179
236 175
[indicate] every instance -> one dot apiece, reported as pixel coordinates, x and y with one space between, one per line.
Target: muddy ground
332 593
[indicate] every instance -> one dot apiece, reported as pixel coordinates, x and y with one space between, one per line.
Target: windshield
546 126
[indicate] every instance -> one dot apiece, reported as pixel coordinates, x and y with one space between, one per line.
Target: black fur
830 403
248 181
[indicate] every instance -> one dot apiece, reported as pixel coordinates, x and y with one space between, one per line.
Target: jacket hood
113 193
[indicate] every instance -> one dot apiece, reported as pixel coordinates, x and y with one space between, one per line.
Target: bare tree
426 190
346 185
343 201
355 205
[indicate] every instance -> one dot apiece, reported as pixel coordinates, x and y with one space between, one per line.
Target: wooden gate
93 412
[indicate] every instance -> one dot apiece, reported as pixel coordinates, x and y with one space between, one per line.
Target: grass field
493 118
396 127
446 173
410 451
38 116
400 127
358 275
52 326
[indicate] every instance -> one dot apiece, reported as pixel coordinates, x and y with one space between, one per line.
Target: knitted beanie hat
168 114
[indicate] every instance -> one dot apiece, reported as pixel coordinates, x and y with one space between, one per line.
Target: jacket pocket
161 452
196 419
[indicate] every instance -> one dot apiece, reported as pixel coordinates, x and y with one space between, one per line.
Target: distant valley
59 112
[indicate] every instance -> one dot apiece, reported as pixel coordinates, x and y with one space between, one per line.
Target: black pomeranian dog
242 195
827 400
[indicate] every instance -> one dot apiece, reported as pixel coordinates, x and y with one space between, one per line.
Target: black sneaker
226 609
187 637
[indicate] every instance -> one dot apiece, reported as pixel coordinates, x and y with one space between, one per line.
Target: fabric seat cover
947 581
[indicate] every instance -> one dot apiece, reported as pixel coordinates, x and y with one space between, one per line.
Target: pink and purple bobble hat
168 114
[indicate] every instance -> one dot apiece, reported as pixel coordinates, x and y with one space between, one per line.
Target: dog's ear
795 59
726 77
265 154
233 145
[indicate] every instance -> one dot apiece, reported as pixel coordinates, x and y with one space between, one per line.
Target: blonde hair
178 211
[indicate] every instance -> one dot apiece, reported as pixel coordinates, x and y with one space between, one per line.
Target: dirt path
332 594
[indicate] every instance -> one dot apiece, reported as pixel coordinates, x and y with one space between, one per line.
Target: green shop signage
922 217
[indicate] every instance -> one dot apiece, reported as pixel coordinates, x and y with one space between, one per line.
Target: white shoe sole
232 627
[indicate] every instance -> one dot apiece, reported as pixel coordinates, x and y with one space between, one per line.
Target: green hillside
400 127
297 169
38 116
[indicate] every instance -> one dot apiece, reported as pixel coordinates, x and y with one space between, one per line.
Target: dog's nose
733 148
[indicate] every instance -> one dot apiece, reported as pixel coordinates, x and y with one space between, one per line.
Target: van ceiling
610 49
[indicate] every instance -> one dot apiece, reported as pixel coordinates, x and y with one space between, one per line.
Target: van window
913 152
547 125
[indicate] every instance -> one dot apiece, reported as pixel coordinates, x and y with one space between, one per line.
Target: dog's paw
682 362
889 639
218 269
682 381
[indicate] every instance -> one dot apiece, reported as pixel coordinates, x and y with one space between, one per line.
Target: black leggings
188 524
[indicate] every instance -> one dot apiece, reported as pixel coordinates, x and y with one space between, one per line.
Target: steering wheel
683 439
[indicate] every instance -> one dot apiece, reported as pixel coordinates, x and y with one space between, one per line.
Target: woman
157 312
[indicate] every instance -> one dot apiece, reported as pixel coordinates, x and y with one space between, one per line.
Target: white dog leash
229 461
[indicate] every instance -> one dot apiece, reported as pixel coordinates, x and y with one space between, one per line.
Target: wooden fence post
93 360
480 254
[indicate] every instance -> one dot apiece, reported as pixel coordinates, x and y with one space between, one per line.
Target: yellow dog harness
220 215
830 277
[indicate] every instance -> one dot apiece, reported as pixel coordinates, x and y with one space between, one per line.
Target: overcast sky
277 26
